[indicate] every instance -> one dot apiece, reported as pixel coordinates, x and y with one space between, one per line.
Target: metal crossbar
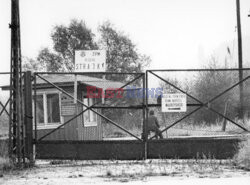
86 73
60 126
197 70
125 86
202 104
4 107
88 108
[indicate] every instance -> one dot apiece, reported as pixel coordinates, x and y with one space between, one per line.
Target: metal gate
81 140
213 90
216 143
115 127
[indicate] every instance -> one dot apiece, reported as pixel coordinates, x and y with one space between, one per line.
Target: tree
30 64
122 55
66 39
52 62
211 83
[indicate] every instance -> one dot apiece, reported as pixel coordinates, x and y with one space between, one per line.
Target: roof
62 79
82 79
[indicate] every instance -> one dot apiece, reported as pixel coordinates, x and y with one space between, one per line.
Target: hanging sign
90 61
174 102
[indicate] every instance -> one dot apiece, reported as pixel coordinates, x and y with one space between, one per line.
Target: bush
242 158
5 163
3 148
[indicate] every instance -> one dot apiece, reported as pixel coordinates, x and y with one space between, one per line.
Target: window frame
89 123
47 125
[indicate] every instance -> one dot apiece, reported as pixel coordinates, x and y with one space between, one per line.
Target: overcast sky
174 33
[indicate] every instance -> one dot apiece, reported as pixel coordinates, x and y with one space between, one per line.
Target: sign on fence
174 102
90 61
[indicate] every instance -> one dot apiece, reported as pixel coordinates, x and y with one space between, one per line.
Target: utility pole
16 121
241 112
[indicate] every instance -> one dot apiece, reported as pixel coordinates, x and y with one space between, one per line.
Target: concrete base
223 147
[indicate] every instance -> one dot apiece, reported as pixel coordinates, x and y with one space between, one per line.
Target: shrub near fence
3 147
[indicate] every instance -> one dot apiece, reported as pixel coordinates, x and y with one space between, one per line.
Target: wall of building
75 129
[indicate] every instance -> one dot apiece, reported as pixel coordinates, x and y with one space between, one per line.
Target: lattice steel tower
16 123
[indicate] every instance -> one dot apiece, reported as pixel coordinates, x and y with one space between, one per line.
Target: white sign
174 102
90 61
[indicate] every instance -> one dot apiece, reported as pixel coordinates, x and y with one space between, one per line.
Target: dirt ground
129 172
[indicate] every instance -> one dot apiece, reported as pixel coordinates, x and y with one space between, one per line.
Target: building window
39 109
48 109
89 117
53 108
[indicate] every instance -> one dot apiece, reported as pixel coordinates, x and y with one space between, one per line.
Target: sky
174 33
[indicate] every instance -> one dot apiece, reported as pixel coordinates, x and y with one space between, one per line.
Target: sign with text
90 61
174 102
68 108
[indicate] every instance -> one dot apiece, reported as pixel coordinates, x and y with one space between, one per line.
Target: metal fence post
28 119
145 114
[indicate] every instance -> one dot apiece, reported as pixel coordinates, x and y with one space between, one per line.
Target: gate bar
85 73
57 128
188 104
4 107
145 124
176 87
197 70
241 81
28 117
140 106
136 78
35 103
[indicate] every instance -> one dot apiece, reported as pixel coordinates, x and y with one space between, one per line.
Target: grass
5 164
162 167
185 128
4 131
3 148
111 131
